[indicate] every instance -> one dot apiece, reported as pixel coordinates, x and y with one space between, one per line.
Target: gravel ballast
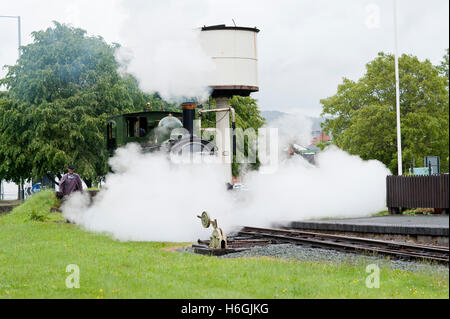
305 254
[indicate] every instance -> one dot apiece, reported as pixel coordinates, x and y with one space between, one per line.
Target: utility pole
397 95
19 44
19 32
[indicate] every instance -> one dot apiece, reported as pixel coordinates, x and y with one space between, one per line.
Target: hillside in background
271 116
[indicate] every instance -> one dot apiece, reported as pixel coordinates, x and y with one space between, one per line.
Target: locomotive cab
167 131
136 127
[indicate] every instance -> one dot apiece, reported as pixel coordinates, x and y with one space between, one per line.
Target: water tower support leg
224 143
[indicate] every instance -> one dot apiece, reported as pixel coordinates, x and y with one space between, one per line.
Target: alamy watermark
73 280
373 12
250 145
373 279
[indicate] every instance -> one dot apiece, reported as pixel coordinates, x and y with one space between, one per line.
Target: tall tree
444 66
60 92
248 116
362 113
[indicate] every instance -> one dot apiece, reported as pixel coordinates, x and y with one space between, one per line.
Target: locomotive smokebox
188 116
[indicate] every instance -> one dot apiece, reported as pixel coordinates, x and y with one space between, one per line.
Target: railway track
248 237
235 244
345 243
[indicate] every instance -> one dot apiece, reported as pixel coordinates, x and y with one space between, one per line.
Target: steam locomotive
172 132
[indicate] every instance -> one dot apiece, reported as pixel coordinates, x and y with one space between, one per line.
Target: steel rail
348 246
347 243
356 239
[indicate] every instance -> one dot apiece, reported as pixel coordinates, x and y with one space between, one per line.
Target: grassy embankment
9 202
35 251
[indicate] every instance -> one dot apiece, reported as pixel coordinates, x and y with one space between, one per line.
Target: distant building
320 136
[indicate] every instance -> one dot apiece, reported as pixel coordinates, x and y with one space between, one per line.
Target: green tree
444 66
363 117
158 104
248 116
60 92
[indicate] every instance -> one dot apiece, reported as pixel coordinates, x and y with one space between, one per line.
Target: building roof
321 138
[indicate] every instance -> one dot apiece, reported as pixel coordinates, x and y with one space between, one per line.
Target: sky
305 47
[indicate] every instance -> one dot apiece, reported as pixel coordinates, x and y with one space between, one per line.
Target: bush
37 215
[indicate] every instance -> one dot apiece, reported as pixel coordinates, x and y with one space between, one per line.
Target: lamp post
19 42
397 95
18 30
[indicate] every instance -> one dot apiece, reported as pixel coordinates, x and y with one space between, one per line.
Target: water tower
234 52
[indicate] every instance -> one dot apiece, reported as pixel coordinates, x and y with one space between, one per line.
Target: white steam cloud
293 128
148 198
340 185
161 48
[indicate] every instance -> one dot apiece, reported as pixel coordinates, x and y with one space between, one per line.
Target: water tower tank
234 52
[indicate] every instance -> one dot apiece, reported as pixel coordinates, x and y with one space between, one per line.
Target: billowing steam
162 50
293 128
340 185
148 198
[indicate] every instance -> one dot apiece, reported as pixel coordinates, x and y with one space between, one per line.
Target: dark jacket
70 183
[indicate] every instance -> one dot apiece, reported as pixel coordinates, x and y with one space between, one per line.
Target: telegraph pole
397 95
19 33
19 44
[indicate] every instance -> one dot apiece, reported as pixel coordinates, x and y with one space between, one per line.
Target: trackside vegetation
34 254
361 116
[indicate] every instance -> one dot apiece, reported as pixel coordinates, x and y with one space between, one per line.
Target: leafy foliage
158 104
363 116
60 92
444 66
248 116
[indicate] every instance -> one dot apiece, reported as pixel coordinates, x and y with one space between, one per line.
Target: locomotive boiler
171 132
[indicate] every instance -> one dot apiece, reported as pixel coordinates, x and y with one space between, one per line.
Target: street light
18 30
19 38
397 95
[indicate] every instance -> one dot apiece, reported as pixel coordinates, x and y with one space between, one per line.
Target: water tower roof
223 27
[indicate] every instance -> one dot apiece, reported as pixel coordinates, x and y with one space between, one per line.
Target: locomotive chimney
188 116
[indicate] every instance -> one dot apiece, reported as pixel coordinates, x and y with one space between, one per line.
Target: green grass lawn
35 251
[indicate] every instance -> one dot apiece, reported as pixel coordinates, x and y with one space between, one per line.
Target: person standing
291 150
70 182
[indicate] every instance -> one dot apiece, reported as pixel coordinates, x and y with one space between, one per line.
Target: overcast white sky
305 47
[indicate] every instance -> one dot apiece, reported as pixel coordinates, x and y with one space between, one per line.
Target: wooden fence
417 192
